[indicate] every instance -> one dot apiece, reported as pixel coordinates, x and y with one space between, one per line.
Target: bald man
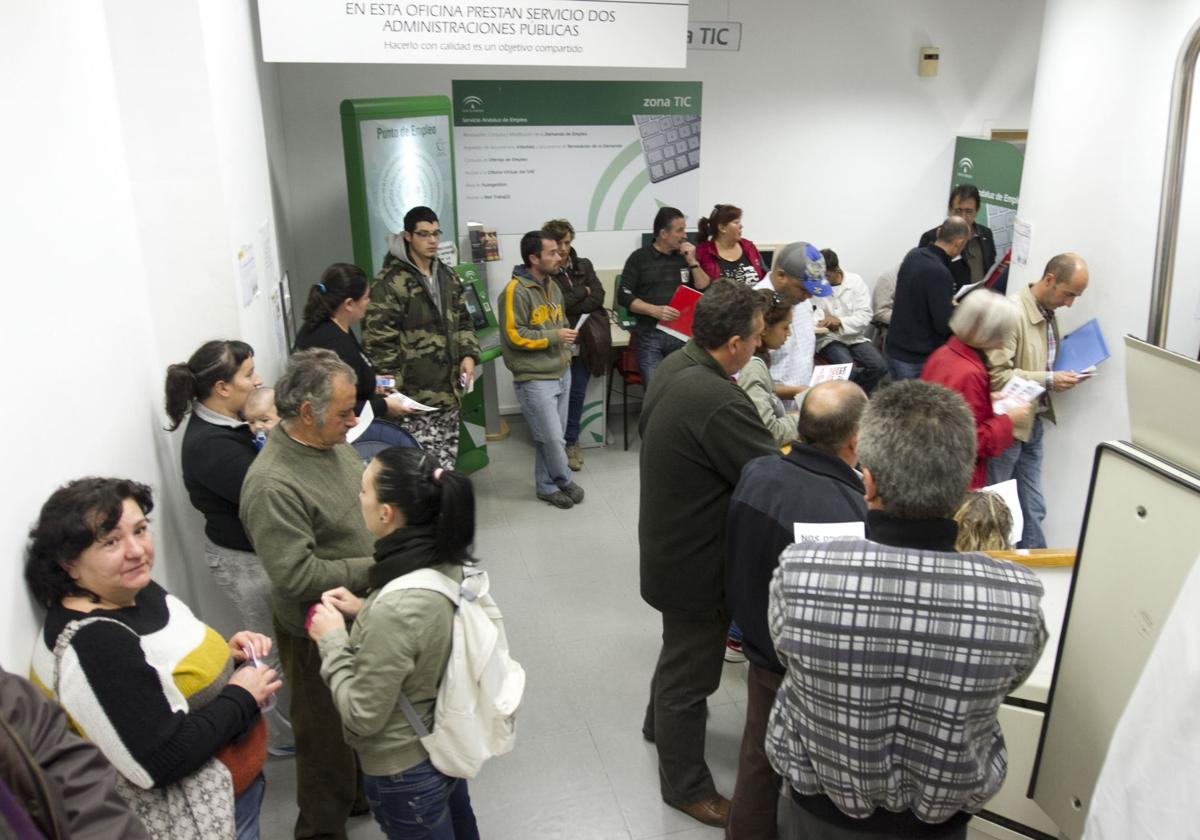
815 483
1030 353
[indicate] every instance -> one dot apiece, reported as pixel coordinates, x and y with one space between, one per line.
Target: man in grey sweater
301 511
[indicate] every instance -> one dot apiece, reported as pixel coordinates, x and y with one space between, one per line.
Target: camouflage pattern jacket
404 334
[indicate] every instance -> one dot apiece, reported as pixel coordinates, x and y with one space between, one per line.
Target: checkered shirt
1051 352
897 660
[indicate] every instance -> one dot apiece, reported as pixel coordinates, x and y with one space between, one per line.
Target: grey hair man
698 430
924 300
815 484
300 507
898 645
797 273
1030 353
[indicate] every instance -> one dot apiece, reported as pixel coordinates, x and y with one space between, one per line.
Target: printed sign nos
714 35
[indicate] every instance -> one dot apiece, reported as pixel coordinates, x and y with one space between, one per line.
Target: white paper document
1022 240
364 420
1016 393
810 532
409 402
1007 490
830 373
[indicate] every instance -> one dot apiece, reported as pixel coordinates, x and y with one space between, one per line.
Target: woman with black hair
218 448
334 305
722 252
140 676
423 517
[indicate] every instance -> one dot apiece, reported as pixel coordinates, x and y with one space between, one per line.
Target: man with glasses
418 329
980 253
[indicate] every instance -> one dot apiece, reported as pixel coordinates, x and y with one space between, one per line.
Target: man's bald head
830 413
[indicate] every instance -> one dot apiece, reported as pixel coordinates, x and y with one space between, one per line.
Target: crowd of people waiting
833 524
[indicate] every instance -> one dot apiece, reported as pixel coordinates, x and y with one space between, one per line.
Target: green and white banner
604 155
994 167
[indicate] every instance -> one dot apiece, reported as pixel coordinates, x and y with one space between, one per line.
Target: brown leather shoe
713 811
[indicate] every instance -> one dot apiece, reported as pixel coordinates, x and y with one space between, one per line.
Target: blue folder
1082 349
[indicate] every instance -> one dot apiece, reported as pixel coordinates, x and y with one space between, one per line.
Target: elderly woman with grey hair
981 321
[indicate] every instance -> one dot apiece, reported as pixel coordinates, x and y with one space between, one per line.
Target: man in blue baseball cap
797 273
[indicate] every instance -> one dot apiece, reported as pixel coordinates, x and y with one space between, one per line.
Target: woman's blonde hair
984 523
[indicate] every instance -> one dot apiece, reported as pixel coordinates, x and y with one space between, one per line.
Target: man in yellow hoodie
536 343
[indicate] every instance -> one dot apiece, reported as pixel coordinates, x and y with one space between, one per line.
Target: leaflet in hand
412 404
364 419
684 300
1016 393
830 373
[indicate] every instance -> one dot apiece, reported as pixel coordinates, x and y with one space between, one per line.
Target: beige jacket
1024 355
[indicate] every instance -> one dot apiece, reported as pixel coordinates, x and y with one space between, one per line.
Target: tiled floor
568 584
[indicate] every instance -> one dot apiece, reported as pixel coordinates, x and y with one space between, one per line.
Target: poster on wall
399 155
994 167
604 155
406 163
580 33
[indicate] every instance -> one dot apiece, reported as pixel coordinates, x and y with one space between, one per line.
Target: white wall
138 167
819 128
1092 178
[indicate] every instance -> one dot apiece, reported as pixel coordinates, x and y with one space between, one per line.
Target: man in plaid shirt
898 649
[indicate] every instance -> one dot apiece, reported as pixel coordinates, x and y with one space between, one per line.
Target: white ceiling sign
586 33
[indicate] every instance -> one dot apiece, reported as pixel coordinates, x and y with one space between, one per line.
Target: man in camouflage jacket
418 329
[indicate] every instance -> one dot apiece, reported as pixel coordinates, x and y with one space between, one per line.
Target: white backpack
477 701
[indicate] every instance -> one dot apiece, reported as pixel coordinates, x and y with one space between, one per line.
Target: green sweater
400 643
301 511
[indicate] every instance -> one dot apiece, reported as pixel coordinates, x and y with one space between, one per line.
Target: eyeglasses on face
428 234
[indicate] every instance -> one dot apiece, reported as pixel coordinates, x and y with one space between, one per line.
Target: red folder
685 300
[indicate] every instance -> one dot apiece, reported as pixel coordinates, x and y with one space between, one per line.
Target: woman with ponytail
722 252
218 448
334 305
423 517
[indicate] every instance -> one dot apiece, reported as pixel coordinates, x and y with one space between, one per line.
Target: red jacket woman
981 321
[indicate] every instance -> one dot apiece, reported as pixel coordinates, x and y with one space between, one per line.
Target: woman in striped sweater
150 684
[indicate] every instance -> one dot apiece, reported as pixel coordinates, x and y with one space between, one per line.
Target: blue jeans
544 404
579 384
653 346
421 802
902 370
1023 461
869 366
246 808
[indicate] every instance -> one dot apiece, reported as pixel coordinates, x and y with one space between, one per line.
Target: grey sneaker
559 499
574 457
574 492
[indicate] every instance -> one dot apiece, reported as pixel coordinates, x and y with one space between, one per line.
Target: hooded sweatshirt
531 313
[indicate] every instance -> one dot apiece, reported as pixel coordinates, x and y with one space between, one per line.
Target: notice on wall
623 33
603 155
406 164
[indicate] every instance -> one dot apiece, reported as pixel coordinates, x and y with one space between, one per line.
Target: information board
399 155
582 33
604 155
